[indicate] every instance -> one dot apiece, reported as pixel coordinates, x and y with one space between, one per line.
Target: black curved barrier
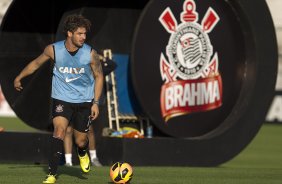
210 72
27 28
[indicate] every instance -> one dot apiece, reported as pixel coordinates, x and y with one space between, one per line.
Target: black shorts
78 114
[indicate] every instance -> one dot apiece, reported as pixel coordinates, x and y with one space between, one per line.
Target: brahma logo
192 82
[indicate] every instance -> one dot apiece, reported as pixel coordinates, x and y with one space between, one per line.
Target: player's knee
59 133
81 142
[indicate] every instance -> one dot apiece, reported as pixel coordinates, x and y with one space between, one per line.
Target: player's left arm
99 80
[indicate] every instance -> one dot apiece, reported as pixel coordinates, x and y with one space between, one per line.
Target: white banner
5 109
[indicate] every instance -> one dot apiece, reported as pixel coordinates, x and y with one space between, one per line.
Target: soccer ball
121 172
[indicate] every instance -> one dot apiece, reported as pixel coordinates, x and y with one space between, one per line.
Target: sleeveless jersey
73 79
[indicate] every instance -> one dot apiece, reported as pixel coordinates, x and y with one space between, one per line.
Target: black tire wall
27 28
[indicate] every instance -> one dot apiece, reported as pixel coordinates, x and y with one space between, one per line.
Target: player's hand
94 111
18 85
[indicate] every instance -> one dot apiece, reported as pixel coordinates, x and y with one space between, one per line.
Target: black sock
82 151
55 156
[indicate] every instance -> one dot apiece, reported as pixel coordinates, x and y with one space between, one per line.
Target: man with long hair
76 88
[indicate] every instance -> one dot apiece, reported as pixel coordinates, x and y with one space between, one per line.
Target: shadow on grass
23 166
72 171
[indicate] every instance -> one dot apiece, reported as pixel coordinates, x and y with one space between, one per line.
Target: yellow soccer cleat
84 163
50 179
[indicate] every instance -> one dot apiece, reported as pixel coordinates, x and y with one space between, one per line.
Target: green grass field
259 163
15 124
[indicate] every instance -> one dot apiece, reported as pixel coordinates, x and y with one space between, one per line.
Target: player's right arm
47 54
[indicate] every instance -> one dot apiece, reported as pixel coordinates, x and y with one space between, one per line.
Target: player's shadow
71 171
74 171
23 166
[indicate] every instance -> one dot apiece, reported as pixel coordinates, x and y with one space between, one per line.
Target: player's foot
84 163
50 179
68 164
95 162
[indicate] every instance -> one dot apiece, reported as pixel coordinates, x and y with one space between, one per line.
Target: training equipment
50 179
84 163
121 172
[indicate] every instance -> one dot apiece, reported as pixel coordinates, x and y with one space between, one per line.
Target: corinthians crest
189 70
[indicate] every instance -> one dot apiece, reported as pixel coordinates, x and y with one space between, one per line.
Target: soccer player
108 66
76 88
